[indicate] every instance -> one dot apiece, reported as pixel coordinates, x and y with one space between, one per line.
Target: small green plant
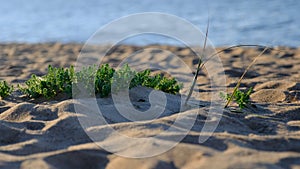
104 79
164 84
57 80
122 78
240 97
126 77
5 89
84 79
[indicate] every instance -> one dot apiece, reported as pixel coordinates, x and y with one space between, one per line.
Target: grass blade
199 65
241 78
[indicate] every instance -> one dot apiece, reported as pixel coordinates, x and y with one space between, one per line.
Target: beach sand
47 133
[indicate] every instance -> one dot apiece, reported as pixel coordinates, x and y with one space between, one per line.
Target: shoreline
128 44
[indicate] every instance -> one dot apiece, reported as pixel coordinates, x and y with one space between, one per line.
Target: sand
47 133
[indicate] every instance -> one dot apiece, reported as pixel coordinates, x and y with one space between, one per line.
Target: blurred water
232 22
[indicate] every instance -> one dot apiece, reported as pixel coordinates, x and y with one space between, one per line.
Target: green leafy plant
5 89
140 78
164 84
122 78
240 97
126 77
57 80
103 79
85 79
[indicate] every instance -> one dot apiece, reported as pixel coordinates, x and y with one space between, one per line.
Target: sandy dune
47 133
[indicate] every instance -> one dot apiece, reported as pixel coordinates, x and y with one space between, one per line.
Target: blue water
232 22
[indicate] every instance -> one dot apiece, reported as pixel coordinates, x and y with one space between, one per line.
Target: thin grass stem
241 78
199 65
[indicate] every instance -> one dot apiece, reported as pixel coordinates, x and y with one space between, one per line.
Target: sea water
232 22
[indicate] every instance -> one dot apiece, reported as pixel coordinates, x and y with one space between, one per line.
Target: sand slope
47 134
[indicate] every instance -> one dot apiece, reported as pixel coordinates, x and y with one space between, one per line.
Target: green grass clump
104 79
5 89
240 97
